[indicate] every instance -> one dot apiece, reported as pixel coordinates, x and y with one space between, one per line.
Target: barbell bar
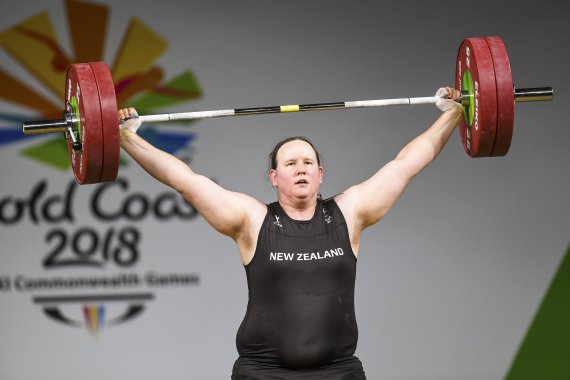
62 125
51 126
483 77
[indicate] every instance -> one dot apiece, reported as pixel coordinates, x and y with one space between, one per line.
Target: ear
272 177
321 173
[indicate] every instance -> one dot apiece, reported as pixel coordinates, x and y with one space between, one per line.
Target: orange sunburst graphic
138 80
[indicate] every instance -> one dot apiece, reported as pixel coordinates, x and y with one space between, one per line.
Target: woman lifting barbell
299 252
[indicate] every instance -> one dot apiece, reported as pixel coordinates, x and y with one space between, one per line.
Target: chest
300 261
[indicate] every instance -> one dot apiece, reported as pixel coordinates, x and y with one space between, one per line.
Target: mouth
301 182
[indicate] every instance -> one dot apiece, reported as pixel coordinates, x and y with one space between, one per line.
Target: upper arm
365 204
230 213
371 200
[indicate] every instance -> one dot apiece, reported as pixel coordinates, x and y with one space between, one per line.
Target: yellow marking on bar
290 108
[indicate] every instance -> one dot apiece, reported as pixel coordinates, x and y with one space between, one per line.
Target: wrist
126 136
454 115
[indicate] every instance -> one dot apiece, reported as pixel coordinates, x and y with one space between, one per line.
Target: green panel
53 153
545 351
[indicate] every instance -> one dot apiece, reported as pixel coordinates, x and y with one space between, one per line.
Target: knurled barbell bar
483 76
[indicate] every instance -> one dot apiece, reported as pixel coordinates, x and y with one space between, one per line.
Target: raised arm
233 214
368 202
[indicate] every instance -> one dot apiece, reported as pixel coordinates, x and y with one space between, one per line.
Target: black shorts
358 375
345 369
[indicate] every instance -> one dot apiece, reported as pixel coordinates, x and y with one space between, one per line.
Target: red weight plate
111 139
477 128
82 101
505 96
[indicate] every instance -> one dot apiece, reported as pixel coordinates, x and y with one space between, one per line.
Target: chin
303 195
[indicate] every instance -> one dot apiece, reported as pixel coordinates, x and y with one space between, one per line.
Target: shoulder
346 202
246 237
254 208
238 215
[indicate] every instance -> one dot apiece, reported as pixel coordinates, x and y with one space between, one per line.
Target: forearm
427 146
161 165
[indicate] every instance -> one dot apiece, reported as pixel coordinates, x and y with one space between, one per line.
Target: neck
299 210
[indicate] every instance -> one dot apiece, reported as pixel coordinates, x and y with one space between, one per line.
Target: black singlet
300 321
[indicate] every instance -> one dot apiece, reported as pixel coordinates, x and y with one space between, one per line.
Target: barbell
482 75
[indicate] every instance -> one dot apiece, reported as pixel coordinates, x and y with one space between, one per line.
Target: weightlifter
299 252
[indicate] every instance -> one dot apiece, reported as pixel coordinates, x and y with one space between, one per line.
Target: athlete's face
298 173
